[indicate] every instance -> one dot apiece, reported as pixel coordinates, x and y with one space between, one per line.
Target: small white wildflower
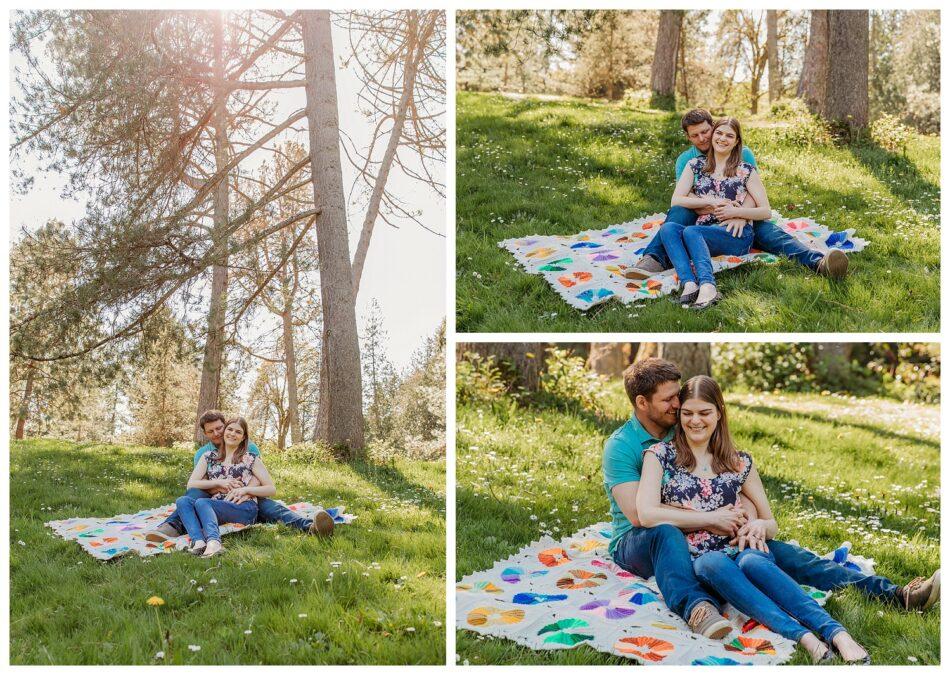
248 631
301 616
194 648
159 655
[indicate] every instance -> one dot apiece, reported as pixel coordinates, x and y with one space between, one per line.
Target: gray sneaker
322 524
708 622
162 533
645 268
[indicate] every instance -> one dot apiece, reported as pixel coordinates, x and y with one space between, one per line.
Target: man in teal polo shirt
653 387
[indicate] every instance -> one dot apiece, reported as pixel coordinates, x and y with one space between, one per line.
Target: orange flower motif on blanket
751 646
492 616
649 225
581 579
552 557
569 280
647 286
648 648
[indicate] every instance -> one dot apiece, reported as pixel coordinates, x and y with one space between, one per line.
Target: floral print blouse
686 490
732 188
243 470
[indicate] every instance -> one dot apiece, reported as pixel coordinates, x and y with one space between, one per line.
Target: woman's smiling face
233 434
724 139
699 420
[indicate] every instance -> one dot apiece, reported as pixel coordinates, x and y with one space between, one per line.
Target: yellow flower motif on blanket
540 253
587 545
492 616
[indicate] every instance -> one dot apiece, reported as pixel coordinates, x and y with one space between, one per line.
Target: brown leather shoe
834 265
920 594
645 268
322 524
708 622
163 532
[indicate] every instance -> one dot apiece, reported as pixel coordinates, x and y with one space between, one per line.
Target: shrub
763 366
802 128
478 379
923 110
636 99
567 379
888 132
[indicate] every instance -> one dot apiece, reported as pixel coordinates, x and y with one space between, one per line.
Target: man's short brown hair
696 116
643 377
211 416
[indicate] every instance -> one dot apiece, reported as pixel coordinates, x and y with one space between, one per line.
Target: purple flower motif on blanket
607 609
603 256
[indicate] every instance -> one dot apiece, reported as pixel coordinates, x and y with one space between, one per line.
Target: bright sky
405 267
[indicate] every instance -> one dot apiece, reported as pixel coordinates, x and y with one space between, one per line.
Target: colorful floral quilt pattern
108 538
561 594
586 269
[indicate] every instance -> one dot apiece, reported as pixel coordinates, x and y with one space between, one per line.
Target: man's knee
184 500
670 229
681 215
668 536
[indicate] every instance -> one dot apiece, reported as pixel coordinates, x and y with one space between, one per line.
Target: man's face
214 430
700 135
662 406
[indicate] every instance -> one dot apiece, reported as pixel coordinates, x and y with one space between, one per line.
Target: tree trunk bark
771 45
608 358
525 359
340 417
812 86
846 102
23 413
209 392
692 358
290 363
663 70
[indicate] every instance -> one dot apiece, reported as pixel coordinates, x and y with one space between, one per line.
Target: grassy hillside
558 167
372 594
836 469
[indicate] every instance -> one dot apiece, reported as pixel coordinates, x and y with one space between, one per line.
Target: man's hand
237 495
726 520
726 210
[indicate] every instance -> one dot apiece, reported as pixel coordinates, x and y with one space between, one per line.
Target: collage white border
451 336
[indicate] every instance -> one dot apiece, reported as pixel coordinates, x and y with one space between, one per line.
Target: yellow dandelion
155 601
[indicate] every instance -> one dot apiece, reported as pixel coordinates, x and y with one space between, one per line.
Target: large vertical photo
766 170
698 504
227 337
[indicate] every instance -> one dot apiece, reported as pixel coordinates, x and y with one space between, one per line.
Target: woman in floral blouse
231 467
701 470
722 179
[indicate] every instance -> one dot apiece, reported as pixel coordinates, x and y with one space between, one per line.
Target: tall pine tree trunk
663 70
692 358
213 361
771 43
846 103
23 413
290 362
812 85
340 416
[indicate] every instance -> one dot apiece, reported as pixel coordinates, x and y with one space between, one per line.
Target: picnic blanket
586 269
108 538
561 594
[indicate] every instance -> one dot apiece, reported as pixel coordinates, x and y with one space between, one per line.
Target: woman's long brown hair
242 446
732 164
725 455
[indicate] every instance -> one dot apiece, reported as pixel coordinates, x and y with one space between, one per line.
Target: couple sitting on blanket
229 484
719 207
690 509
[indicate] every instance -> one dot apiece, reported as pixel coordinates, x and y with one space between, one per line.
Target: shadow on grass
393 482
814 417
897 172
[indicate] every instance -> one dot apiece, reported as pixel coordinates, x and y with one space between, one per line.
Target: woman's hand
726 210
753 535
228 483
237 495
736 226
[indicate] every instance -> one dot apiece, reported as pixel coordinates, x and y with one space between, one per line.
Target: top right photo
697 171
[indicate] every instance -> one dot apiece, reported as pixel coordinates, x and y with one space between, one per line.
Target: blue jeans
201 516
807 568
768 237
697 244
662 551
268 511
756 586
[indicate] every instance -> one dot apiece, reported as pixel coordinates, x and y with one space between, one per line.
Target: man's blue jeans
807 568
201 516
698 244
268 511
756 586
662 551
768 237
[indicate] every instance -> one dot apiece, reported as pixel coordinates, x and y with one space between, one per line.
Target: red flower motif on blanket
648 648
552 557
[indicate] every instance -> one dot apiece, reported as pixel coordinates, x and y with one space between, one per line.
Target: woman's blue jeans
756 586
697 244
201 516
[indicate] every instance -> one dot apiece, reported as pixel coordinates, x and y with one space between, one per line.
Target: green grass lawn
529 167
836 469
373 594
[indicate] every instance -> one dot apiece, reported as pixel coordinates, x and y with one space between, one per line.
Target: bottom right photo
696 503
